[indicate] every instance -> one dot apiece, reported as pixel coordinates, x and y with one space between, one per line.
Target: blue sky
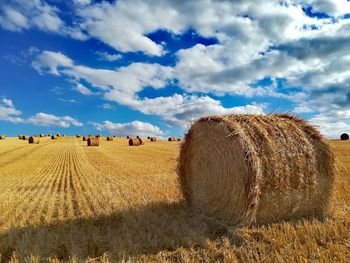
152 68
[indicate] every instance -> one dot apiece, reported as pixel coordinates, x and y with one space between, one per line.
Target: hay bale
344 137
25 137
110 138
153 139
85 138
53 137
77 136
171 139
135 142
20 136
2 137
179 139
33 140
248 169
128 137
93 141
98 135
148 137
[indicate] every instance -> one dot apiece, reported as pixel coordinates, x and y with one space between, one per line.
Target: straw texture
249 169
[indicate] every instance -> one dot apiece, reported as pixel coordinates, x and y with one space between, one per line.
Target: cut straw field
63 201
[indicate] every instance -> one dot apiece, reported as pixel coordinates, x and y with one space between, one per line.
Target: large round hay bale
110 138
171 139
53 137
135 142
128 137
148 137
248 169
344 136
153 139
93 141
33 140
2 137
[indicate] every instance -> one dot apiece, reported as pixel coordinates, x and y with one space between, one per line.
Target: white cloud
331 126
134 128
83 90
51 61
108 57
8 112
123 84
106 106
50 120
331 7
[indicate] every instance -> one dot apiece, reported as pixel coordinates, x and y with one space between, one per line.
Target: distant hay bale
34 140
153 139
179 139
93 141
128 137
247 169
77 136
2 137
53 137
25 137
344 137
20 136
98 135
85 138
110 138
171 139
148 137
135 142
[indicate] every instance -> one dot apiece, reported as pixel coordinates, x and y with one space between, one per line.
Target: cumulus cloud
50 120
8 112
123 84
133 128
18 15
255 40
51 61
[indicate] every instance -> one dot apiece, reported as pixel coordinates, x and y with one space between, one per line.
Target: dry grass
64 201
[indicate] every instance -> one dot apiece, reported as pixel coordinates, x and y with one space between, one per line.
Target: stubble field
63 201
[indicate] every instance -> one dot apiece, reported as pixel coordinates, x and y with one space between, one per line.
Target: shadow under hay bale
247 169
344 136
93 141
33 140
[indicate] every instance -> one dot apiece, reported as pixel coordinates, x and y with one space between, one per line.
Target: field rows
63 200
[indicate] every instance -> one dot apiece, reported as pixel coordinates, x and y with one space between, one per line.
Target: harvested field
63 200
